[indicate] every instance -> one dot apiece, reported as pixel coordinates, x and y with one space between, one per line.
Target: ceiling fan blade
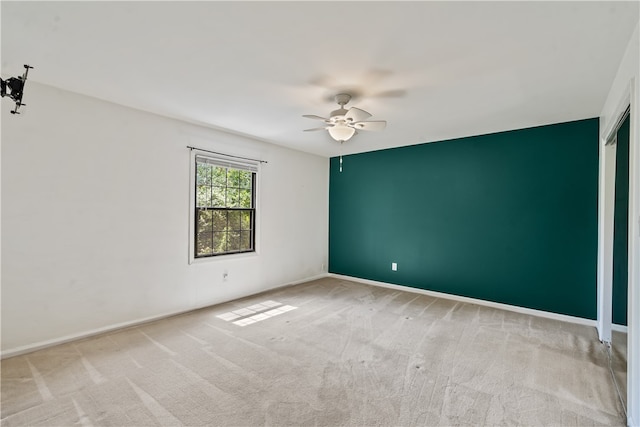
356 114
374 125
313 116
314 129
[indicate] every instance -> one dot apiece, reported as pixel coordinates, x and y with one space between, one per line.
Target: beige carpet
328 352
619 362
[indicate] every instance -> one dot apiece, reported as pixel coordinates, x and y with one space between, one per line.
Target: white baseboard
523 310
17 351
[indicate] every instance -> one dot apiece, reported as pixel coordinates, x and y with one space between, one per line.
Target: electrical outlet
394 266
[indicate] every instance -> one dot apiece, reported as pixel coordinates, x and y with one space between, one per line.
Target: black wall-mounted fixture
13 87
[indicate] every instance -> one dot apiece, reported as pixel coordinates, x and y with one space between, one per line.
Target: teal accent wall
509 217
621 227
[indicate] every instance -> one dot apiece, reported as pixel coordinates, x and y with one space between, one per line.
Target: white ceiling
433 70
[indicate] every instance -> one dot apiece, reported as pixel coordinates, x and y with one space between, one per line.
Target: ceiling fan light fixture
341 132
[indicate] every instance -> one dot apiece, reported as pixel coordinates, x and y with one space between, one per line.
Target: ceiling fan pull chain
341 156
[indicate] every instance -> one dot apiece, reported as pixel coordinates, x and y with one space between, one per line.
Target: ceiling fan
342 124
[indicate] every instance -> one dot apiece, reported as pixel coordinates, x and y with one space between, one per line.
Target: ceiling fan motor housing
338 112
341 99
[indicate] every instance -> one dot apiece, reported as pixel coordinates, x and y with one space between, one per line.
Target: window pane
219 220
203 173
234 241
218 197
245 179
234 220
245 220
245 198
219 176
233 178
219 242
203 195
233 197
245 240
203 244
205 221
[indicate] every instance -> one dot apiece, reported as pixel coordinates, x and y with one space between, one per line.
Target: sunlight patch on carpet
255 313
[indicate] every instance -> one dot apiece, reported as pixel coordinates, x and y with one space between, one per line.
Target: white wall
95 218
625 89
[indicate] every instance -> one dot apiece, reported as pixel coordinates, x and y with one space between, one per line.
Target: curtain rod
223 154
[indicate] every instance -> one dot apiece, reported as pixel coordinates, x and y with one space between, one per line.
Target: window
224 214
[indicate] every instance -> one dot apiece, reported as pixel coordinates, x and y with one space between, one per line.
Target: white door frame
606 199
606 213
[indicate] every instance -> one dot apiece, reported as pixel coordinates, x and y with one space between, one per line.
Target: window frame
234 163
